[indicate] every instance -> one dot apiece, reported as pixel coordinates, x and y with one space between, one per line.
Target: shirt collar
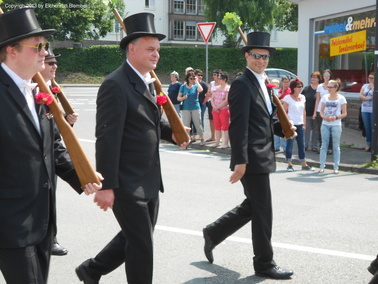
16 79
147 80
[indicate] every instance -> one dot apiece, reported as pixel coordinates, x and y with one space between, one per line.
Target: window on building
191 6
340 46
201 7
149 3
178 30
191 30
178 6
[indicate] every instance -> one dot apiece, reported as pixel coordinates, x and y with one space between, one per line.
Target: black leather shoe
373 267
57 249
82 273
374 280
209 246
275 272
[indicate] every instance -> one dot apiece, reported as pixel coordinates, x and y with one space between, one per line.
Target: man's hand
72 118
104 199
185 144
292 127
238 173
93 187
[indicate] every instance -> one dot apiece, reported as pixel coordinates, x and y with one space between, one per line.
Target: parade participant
31 154
252 159
51 65
128 130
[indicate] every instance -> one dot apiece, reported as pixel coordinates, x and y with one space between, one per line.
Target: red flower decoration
43 98
161 99
55 90
270 85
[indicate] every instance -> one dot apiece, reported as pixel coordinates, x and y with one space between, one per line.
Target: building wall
163 14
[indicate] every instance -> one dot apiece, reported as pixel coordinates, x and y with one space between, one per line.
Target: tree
256 15
74 19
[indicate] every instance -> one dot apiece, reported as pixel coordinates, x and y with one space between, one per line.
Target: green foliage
286 16
232 22
102 60
74 19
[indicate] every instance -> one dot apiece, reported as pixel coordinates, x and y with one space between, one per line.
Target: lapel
17 97
139 85
256 83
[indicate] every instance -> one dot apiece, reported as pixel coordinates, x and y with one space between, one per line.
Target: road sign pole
207 62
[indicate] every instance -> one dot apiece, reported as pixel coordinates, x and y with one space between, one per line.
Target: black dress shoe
275 272
374 280
373 267
82 273
209 246
57 249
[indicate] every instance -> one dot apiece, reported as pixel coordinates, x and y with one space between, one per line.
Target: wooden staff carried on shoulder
177 126
67 107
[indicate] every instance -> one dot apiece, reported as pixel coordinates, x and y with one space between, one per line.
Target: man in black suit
128 130
252 159
31 154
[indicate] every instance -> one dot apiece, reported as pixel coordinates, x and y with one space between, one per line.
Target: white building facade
338 35
178 20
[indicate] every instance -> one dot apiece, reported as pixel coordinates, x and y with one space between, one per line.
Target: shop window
346 45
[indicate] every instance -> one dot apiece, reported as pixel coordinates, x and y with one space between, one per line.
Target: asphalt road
324 225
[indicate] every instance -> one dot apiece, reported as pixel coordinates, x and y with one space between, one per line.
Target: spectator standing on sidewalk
202 95
294 105
173 90
333 110
366 96
310 94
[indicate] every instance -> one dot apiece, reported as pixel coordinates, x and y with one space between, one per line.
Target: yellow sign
348 43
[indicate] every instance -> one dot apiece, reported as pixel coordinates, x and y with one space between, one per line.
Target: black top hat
258 40
51 54
19 24
139 25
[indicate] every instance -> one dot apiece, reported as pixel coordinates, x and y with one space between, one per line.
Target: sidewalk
353 157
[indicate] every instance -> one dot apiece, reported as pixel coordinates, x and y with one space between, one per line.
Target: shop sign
348 43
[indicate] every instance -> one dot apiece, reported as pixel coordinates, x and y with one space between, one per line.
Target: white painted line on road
88 140
278 245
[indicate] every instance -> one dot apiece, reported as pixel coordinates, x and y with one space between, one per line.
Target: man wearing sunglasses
252 159
31 154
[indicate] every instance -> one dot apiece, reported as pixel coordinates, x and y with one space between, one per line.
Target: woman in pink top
221 113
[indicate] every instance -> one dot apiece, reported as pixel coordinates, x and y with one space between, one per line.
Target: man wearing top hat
31 154
48 74
128 130
252 159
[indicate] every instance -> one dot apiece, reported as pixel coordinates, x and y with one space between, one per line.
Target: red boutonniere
43 98
161 99
55 90
270 85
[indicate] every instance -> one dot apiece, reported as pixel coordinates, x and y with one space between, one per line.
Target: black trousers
257 207
133 245
28 264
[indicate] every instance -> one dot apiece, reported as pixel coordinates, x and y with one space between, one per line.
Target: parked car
274 73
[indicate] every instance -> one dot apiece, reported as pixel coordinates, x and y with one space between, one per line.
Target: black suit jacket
251 128
128 132
29 163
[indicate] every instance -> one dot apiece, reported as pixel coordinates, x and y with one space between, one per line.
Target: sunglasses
330 87
52 63
299 86
258 56
38 47
326 75
191 78
199 75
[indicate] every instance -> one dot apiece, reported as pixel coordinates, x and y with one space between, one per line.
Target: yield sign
206 29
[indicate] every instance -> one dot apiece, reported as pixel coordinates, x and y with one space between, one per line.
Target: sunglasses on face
191 78
38 47
52 63
326 75
258 56
330 87
299 86
199 75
